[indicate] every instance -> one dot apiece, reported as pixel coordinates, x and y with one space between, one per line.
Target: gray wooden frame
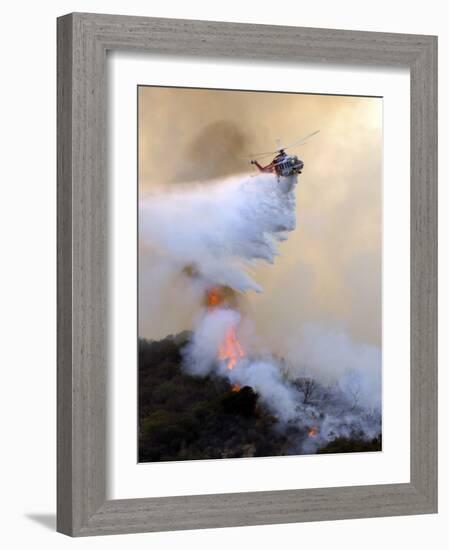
83 40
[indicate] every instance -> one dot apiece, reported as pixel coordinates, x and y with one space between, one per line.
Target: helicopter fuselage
282 165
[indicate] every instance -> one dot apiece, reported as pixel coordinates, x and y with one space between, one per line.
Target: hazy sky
329 269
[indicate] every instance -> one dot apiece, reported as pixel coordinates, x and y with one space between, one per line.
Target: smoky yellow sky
329 269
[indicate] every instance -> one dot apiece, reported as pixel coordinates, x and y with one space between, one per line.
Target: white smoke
339 404
214 234
332 357
219 230
202 351
263 375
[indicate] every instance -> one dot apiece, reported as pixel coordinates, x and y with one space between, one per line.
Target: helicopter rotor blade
300 141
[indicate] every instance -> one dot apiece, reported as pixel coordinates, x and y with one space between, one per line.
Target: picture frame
83 41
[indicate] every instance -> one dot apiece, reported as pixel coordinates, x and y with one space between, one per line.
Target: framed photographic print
247 283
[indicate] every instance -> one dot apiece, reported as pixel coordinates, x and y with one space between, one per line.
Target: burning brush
230 350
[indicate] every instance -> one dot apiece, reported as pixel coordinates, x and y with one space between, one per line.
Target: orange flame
236 388
214 297
231 350
220 296
312 432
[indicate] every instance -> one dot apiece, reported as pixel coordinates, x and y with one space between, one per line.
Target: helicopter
283 164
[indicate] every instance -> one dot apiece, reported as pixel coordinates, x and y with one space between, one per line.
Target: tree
306 386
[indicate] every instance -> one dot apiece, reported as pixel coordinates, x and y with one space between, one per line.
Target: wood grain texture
83 40
64 277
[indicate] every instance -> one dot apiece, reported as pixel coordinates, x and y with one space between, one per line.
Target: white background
27 301
131 480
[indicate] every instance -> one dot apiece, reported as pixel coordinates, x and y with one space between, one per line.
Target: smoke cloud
308 309
324 380
329 270
218 231
324 398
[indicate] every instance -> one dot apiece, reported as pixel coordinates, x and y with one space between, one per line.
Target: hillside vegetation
185 417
